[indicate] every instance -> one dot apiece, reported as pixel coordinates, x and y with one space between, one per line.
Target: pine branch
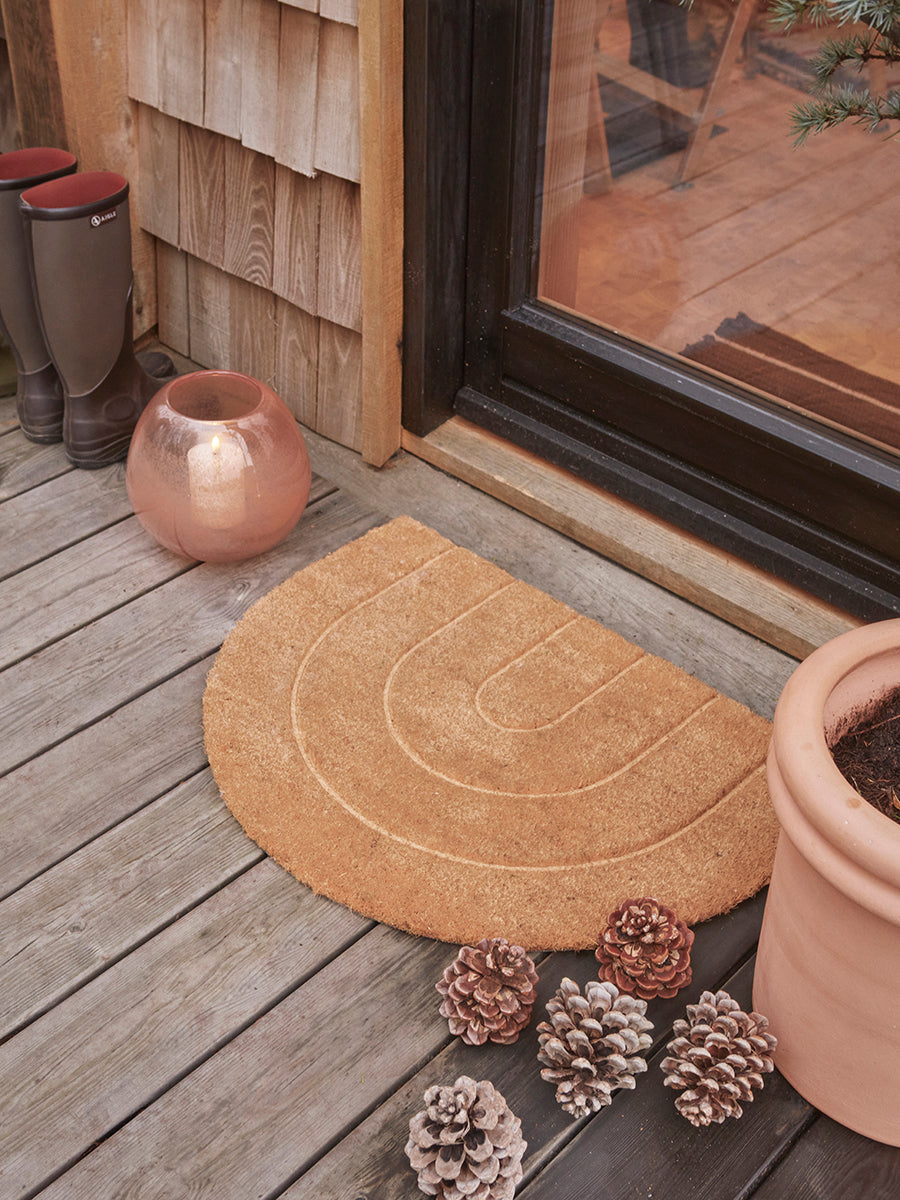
841 104
856 50
883 15
833 104
788 14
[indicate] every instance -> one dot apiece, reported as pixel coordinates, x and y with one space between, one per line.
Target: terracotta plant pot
828 968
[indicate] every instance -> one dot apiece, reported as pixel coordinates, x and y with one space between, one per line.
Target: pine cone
717 1057
645 949
466 1143
592 1044
489 992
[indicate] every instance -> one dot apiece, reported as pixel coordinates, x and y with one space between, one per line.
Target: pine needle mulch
414 733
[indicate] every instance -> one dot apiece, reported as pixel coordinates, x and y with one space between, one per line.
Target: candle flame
215 444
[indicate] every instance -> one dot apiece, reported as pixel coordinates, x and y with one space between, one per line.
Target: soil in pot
868 756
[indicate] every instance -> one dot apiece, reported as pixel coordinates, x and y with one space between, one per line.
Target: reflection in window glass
677 210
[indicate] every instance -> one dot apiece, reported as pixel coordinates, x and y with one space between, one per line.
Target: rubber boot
80 243
39 392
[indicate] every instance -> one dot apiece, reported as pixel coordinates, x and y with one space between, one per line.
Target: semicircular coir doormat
412 732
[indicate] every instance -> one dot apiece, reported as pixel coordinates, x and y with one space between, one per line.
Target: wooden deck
181 1018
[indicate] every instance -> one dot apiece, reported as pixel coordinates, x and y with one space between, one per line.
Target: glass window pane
676 208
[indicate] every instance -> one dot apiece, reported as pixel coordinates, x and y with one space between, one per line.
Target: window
492 334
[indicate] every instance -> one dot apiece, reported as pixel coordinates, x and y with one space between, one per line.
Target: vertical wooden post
35 72
568 112
381 169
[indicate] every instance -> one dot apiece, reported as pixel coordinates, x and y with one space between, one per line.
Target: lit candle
216 477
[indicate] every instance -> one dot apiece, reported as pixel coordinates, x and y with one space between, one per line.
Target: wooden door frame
808 504
437 101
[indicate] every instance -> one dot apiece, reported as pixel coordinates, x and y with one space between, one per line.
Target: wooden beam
35 72
381 172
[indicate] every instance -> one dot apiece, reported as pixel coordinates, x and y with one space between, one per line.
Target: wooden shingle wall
248 127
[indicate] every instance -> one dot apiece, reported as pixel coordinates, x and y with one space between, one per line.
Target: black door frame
809 504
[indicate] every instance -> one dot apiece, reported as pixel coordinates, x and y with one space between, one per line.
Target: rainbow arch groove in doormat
416 734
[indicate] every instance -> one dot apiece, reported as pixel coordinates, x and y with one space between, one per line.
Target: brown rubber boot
80 239
39 393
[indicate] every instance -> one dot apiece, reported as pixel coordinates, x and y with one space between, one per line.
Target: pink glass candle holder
217 468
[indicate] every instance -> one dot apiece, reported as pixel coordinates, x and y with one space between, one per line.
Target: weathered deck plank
75 681
23 465
185 1019
43 603
59 594
76 919
114 1046
830 1161
84 786
258 1112
60 512
370 1160
642 1146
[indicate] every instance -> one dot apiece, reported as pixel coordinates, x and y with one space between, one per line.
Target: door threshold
751 599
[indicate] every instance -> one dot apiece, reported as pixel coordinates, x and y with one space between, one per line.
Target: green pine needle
832 104
840 104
